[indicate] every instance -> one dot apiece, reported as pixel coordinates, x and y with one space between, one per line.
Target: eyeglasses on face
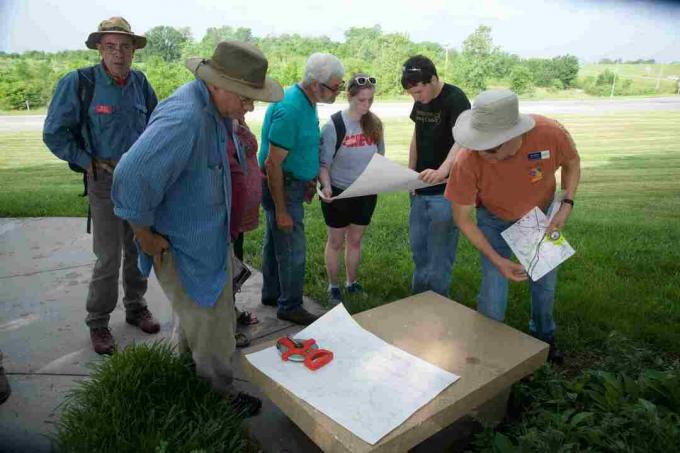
244 100
492 150
361 80
340 86
122 48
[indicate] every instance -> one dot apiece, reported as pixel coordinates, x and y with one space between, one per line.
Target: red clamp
306 351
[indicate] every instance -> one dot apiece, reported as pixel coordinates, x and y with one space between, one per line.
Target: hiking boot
102 340
242 341
354 288
555 356
5 389
298 316
334 296
144 320
244 405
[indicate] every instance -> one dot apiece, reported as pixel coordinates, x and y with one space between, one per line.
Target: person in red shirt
505 167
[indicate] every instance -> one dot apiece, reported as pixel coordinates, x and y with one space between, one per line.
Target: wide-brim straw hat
116 26
238 67
493 120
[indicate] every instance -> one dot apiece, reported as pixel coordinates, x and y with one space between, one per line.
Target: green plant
147 398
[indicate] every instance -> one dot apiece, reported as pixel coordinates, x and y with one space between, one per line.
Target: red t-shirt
238 190
512 187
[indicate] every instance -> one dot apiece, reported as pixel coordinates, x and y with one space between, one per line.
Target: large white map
382 175
370 387
535 250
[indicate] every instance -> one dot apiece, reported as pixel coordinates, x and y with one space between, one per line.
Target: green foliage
546 71
622 407
520 80
166 42
147 398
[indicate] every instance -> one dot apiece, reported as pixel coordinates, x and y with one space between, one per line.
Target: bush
520 80
145 399
623 407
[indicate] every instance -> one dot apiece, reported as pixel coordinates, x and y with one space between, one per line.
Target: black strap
340 131
150 101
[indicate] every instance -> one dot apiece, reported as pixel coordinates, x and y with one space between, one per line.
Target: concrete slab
489 356
45 267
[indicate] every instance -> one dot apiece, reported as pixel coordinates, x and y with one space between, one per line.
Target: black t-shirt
434 124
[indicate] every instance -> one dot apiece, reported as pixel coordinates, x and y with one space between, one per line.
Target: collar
311 104
120 81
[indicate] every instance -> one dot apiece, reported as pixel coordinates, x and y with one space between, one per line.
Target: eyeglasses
340 86
492 150
246 101
361 80
122 48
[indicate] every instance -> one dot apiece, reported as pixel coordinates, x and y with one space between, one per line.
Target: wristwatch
568 201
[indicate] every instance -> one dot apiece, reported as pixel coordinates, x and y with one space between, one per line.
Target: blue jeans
493 292
283 254
434 239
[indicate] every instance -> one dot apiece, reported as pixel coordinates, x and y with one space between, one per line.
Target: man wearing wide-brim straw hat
506 166
174 187
96 114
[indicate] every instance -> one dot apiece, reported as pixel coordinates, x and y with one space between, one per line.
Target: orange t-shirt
512 187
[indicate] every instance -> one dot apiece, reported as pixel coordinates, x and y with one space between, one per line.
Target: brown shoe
144 320
102 340
298 316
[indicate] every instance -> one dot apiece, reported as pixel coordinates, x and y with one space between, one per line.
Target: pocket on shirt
215 184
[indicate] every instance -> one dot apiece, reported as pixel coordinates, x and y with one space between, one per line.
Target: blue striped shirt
175 179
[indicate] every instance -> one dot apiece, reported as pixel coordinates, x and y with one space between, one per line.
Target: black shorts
346 211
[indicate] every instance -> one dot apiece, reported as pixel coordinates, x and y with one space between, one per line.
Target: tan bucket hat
238 67
115 25
493 120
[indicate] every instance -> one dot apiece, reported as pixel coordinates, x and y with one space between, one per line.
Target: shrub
145 399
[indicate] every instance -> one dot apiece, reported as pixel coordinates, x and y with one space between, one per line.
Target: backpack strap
149 101
85 94
340 130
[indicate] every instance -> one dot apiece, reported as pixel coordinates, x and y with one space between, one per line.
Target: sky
590 30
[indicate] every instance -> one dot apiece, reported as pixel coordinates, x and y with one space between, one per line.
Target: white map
538 253
370 387
382 175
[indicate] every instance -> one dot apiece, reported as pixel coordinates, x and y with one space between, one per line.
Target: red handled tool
306 351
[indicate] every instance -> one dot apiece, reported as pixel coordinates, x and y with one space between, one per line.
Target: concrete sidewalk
45 267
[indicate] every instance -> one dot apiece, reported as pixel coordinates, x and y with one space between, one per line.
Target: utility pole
611 94
658 78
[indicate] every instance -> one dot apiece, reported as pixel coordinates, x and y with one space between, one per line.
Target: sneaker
334 295
144 320
354 288
102 340
298 316
242 341
245 405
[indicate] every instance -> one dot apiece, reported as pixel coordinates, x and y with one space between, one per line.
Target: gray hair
322 67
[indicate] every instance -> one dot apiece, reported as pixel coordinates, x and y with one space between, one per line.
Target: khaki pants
206 332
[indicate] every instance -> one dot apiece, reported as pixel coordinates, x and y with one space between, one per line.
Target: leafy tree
520 80
166 42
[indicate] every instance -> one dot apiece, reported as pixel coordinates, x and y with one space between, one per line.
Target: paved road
402 109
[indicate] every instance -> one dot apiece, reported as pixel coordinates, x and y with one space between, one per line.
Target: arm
325 179
571 175
439 175
274 167
326 155
62 123
412 152
462 214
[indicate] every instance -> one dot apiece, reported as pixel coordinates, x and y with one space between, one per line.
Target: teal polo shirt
293 124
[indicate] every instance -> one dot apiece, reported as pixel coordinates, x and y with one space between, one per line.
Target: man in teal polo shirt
289 156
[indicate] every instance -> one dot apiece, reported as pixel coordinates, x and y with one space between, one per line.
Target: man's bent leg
542 323
442 244
209 331
493 291
107 238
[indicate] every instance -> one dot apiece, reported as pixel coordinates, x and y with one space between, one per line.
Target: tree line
30 77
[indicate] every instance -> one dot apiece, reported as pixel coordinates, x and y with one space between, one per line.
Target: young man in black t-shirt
433 233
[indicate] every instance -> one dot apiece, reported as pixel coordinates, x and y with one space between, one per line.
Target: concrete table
487 355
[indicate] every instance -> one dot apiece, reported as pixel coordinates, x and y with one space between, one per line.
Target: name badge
103 109
539 155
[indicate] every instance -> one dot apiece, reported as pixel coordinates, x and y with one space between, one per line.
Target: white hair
322 67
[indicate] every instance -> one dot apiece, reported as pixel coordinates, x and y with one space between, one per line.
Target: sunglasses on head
411 69
361 80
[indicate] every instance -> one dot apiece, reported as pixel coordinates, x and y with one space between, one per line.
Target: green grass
147 399
625 275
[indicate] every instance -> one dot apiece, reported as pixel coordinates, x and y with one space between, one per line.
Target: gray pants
111 237
206 332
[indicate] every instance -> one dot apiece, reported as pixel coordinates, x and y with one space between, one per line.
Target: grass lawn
625 275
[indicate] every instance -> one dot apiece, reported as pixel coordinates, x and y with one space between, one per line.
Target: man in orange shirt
506 166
